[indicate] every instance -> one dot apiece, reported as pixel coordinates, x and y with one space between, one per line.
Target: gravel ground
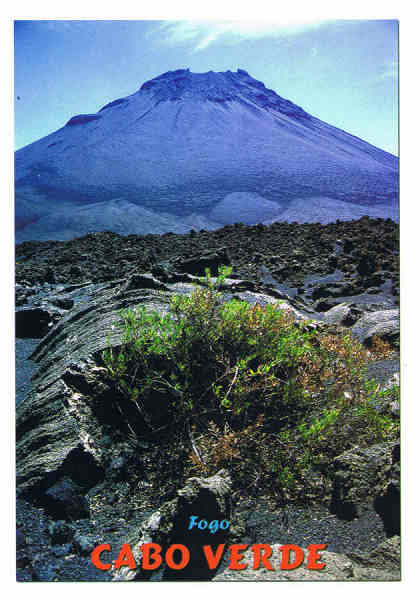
39 560
304 526
112 256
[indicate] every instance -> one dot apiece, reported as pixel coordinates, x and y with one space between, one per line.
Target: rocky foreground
82 479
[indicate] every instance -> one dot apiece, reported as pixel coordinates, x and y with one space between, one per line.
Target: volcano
197 150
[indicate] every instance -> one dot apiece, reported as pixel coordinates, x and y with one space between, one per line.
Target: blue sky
344 72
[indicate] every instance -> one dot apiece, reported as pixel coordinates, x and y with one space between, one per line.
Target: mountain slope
187 144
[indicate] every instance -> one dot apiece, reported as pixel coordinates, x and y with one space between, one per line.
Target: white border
409 117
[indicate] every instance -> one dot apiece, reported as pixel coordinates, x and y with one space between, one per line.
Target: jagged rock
366 265
336 290
387 504
23 553
64 500
374 280
365 476
84 544
61 425
20 539
382 564
117 470
33 322
61 429
141 281
117 256
75 271
58 426
343 314
382 323
388 331
167 273
197 265
50 275
22 293
325 304
161 271
60 532
62 302
208 498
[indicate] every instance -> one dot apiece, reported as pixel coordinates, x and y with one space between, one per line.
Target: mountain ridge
185 142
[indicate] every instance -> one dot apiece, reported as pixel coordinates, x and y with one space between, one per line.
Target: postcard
207 301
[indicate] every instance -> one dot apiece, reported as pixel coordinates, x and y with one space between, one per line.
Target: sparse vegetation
271 399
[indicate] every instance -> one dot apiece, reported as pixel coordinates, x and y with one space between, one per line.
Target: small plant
205 356
381 349
248 388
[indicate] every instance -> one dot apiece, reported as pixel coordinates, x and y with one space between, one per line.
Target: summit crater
219 87
197 150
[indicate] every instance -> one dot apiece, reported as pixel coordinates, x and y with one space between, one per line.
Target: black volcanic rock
197 265
105 256
74 447
66 416
193 151
32 323
64 500
382 323
364 475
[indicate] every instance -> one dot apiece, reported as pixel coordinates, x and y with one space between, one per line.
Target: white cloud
204 33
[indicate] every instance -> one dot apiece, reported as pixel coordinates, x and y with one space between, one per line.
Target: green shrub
204 356
251 390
